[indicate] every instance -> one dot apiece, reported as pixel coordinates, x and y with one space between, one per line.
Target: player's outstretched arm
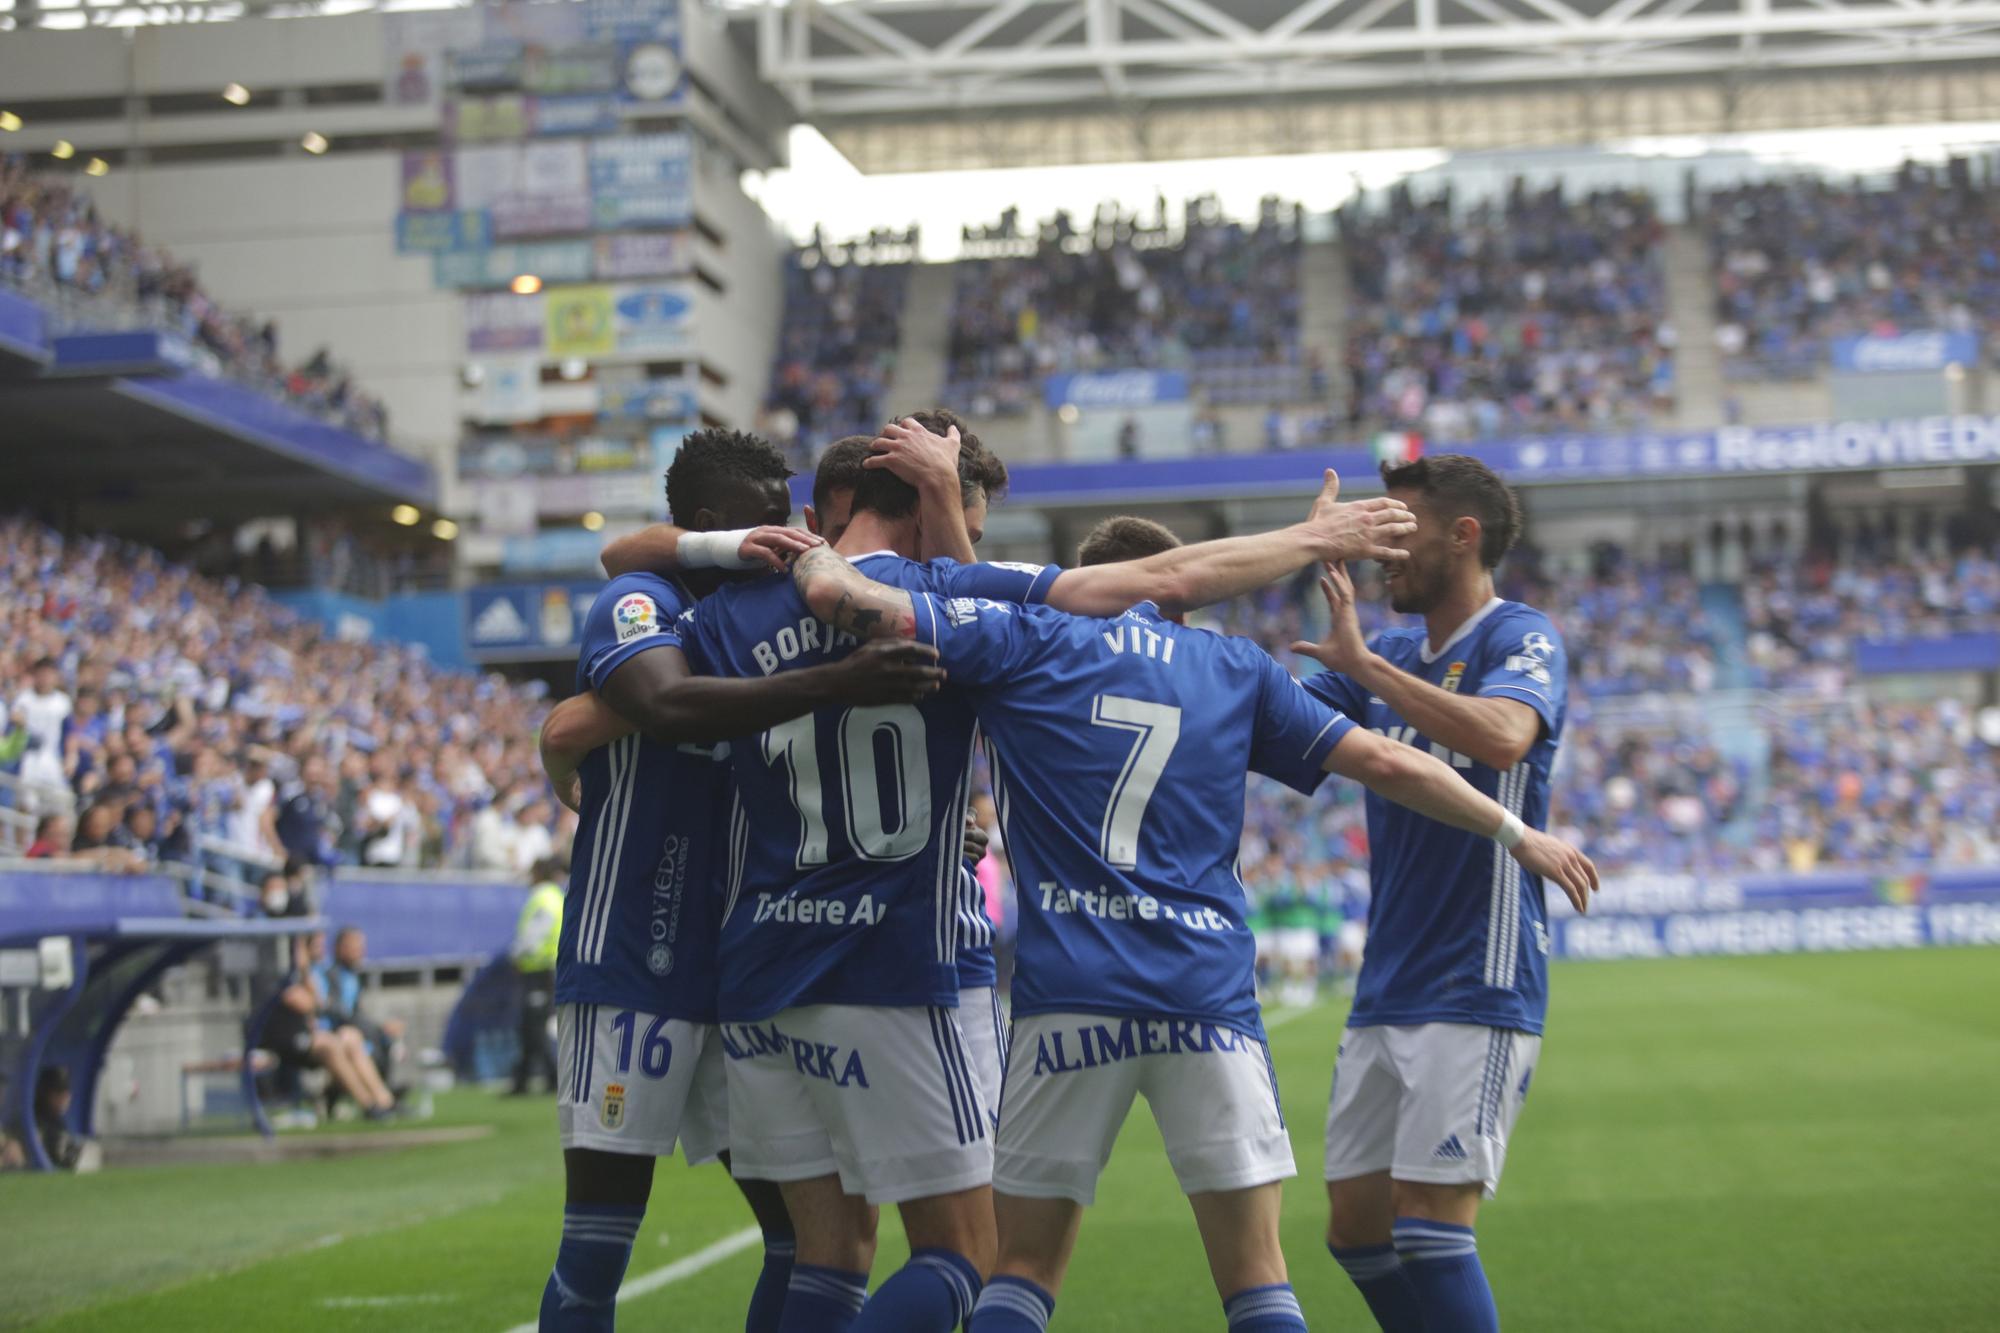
1497 732
658 692
665 549
1426 784
1191 576
849 600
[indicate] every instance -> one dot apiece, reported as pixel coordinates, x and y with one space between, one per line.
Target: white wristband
714 550
1511 831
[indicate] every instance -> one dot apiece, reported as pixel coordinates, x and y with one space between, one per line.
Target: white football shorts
1434 1103
884 1097
633 1082
1071 1079
984 1023
1298 944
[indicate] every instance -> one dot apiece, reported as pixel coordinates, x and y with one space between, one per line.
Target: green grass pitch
1796 1143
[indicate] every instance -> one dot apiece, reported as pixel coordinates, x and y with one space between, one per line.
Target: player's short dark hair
1460 486
978 466
712 458
1125 538
840 468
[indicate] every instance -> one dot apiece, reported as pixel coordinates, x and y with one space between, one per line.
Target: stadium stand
1802 261
54 245
251 736
837 346
1535 312
1219 300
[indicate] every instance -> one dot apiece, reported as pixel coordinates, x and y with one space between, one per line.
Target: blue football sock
1271 1309
1443 1263
1012 1305
1378 1274
582 1292
822 1300
933 1293
767 1299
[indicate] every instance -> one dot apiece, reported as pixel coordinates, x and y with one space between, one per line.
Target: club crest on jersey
612 1114
635 615
1452 675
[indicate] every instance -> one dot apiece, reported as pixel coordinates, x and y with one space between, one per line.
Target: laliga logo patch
659 960
1537 644
635 615
1452 675
613 1113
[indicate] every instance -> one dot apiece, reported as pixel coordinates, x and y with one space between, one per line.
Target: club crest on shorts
612 1114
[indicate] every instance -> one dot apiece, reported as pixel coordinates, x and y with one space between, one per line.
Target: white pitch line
1283 1017
678 1269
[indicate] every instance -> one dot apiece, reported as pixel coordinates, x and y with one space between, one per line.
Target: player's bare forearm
651 550
1187 576
1410 777
657 692
1497 732
849 600
941 530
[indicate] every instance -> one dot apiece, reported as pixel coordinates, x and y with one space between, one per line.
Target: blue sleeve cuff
926 608
1544 706
1038 591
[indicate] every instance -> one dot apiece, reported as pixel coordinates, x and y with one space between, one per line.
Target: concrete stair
920 352
1325 299
1698 382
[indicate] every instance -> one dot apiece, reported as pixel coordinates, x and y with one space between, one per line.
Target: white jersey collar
1431 655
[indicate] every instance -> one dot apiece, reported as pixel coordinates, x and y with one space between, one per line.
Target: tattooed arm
849 600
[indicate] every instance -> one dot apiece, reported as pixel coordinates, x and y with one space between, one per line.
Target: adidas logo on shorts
1451 1150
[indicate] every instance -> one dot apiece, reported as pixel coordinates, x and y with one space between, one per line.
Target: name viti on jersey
789 909
1066 1051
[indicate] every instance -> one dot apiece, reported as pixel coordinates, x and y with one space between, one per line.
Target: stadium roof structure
916 84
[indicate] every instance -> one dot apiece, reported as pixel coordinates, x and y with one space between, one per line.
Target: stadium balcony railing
120 309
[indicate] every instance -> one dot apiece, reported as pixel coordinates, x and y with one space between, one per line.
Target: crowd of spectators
837 343
1217 299
1801 262
1530 313
1805 617
153 714
54 241
1650 777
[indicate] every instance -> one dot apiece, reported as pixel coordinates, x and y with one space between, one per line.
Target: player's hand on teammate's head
891 671
915 453
776 546
1359 529
1560 864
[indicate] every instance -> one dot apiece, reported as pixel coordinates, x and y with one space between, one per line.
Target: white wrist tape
1511 831
715 550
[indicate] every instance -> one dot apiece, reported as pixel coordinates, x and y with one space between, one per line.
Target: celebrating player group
774 952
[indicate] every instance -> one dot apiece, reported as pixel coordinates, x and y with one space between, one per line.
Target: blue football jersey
1119 750
848 887
641 912
1457 931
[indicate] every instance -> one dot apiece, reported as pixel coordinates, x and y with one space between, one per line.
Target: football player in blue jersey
848 1074
1119 749
1447 1019
636 969
957 479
